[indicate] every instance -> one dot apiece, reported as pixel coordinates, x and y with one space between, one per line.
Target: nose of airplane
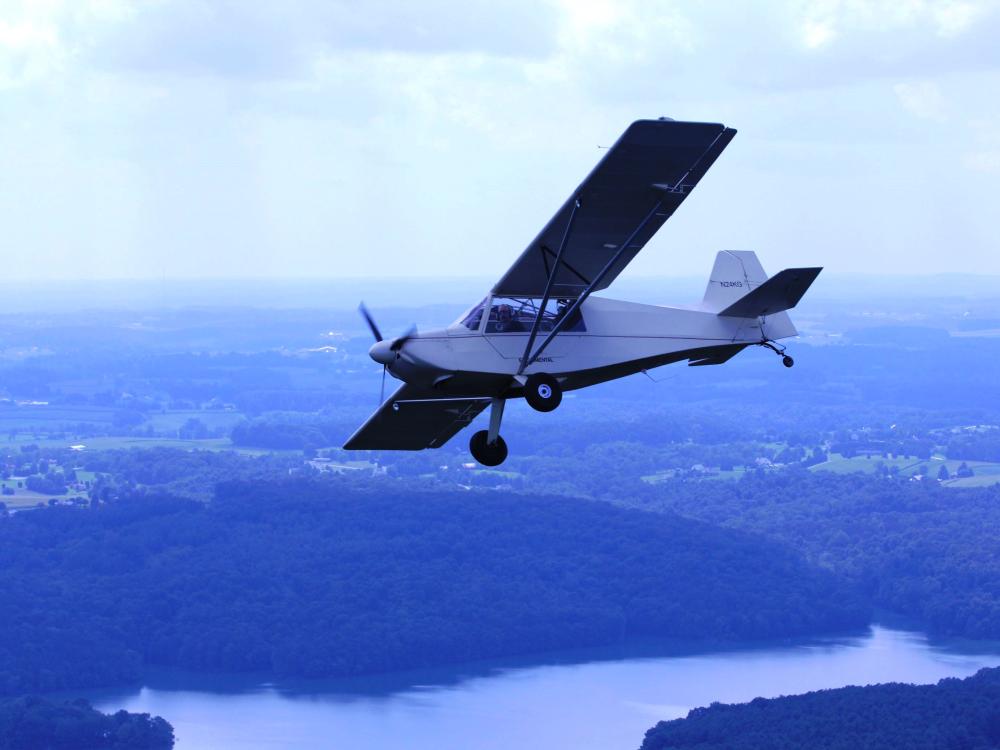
381 352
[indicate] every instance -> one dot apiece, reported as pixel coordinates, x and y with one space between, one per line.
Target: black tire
787 361
542 392
486 454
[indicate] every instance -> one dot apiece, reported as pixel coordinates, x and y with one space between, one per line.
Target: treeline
179 472
33 723
915 548
952 714
313 579
975 445
304 432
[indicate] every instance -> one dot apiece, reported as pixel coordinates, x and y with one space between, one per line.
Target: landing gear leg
779 350
486 446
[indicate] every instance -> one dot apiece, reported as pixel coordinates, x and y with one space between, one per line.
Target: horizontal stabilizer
780 292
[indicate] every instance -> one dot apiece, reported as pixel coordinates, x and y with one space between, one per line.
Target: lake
596 704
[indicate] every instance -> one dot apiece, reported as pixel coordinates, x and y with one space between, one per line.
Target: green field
984 472
985 475
117 443
23 498
37 421
124 443
47 416
663 476
212 419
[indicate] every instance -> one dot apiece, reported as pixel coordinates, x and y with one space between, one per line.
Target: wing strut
571 311
548 290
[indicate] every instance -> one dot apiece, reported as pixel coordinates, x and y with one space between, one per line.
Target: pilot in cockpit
506 322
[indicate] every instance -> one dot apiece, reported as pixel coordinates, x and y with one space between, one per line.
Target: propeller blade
381 393
398 343
371 321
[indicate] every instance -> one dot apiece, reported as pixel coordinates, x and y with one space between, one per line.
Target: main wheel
486 454
787 361
542 392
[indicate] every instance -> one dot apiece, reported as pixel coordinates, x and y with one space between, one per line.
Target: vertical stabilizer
735 273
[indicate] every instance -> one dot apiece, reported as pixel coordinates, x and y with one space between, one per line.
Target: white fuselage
620 338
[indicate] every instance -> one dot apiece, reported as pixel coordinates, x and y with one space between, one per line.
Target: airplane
540 332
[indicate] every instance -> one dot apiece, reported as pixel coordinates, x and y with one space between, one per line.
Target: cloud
235 39
922 99
985 156
198 138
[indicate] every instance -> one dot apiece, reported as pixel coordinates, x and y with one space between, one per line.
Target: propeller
370 321
395 346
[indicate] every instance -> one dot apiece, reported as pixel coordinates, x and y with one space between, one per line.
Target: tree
193 429
943 473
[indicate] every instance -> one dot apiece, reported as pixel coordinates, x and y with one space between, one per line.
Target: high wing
636 187
413 419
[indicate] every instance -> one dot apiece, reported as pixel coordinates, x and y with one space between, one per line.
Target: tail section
735 274
739 288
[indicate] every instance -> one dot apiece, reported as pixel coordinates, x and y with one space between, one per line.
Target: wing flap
653 161
780 292
413 419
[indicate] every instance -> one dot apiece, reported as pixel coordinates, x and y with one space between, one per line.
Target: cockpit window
517 315
474 317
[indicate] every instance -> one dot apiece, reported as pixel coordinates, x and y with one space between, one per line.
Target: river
592 703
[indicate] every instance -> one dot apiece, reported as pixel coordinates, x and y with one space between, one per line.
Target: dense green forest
915 548
33 723
306 578
952 714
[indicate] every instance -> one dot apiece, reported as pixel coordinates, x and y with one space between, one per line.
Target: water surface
592 705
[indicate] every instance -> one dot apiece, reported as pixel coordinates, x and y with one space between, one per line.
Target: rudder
735 274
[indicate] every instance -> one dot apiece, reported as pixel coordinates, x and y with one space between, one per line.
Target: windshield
518 314
473 317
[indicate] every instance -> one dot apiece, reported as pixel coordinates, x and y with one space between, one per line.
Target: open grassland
711 473
47 416
212 419
984 472
119 443
25 498
41 416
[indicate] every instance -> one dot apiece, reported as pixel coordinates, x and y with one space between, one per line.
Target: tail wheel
484 452
542 392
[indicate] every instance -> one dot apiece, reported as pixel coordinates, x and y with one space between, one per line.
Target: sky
336 139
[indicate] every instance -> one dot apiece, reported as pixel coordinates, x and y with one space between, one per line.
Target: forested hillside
952 714
915 548
33 723
314 579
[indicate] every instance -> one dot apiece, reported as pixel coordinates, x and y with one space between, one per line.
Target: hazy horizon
66 296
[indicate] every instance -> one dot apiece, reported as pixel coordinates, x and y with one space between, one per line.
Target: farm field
119 443
712 473
41 415
984 472
212 419
25 498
